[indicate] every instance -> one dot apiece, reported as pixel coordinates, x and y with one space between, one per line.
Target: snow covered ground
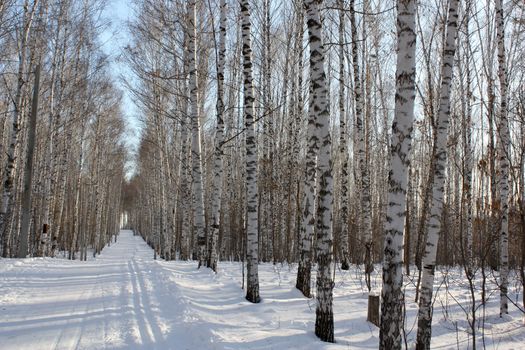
125 299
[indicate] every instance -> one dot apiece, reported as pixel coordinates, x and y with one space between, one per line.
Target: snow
125 299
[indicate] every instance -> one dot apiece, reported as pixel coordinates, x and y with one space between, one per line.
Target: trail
121 299
124 299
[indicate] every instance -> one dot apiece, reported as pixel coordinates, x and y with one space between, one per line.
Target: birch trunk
503 136
467 151
28 171
392 294
219 139
366 220
307 228
343 144
95 175
198 189
252 249
492 249
76 211
424 330
319 113
298 116
184 176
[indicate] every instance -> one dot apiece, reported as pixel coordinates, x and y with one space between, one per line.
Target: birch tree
319 114
364 181
435 224
343 142
252 249
184 172
466 106
503 137
392 295
307 224
28 171
219 139
198 186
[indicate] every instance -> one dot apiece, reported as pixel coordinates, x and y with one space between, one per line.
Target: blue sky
114 39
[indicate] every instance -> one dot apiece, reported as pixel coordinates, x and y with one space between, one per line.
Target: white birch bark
252 249
343 143
98 192
78 181
267 168
219 139
298 118
364 191
198 188
184 190
319 112
307 213
392 294
503 136
467 148
288 185
435 225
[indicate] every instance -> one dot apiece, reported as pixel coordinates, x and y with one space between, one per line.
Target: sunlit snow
124 299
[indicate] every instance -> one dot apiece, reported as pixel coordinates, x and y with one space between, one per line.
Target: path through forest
125 299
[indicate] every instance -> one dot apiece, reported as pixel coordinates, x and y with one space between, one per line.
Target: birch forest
381 139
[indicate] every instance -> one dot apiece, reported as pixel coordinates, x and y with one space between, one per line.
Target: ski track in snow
124 299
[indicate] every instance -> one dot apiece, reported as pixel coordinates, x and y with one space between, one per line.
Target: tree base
303 279
324 326
212 265
424 333
253 296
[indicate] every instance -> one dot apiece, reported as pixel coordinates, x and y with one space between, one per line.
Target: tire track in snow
154 331
137 305
60 336
80 331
